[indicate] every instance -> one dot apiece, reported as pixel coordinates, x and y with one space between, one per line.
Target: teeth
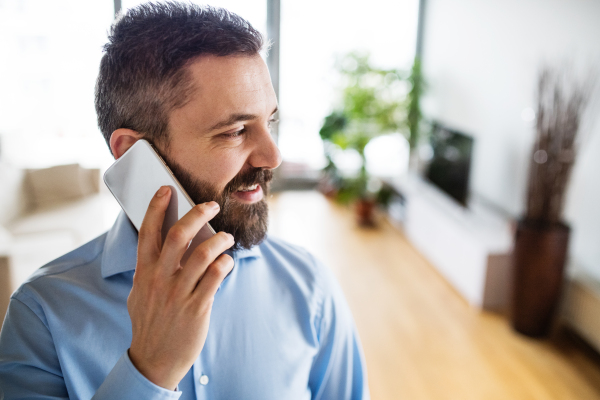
247 188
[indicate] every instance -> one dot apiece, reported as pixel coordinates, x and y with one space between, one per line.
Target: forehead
231 84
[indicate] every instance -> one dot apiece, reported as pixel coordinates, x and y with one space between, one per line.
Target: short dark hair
143 74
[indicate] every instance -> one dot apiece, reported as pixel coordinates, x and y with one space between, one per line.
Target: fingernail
213 205
162 191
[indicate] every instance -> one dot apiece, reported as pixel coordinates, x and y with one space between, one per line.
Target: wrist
152 372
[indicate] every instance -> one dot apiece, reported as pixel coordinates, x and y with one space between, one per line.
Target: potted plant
372 103
542 237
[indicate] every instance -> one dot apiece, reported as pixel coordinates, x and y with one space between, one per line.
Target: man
123 317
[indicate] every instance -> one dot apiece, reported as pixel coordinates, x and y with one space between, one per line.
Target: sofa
45 213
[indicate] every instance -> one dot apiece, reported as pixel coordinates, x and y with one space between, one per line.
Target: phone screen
135 178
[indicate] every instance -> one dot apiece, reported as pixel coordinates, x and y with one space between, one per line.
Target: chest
260 344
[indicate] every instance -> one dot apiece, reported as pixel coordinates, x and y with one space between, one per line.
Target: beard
246 222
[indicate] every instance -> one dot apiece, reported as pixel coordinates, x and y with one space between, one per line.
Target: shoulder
273 246
300 262
61 269
307 271
284 254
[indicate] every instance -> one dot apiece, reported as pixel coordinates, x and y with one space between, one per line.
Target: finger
213 277
201 258
184 230
150 240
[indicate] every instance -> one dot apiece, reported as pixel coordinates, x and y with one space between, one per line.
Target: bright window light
51 52
387 156
313 34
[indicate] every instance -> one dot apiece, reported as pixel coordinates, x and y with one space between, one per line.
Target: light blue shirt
280 329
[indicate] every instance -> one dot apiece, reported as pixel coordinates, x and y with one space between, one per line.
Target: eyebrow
233 118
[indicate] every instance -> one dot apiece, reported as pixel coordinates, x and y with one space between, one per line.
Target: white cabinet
470 247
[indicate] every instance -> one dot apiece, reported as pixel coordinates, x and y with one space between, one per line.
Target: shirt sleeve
126 382
30 367
338 370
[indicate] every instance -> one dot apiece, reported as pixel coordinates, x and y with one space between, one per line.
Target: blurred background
441 156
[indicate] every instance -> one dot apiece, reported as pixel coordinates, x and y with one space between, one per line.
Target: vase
539 261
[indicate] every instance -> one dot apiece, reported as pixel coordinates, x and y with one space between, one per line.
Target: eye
235 134
273 121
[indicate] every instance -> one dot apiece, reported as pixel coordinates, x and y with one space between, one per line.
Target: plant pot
365 212
538 261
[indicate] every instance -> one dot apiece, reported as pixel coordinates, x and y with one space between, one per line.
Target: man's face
220 146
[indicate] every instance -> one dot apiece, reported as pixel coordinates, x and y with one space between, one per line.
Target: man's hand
170 303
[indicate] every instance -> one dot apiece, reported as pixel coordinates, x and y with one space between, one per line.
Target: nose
266 154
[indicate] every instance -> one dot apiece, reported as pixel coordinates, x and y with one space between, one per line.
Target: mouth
248 194
250 188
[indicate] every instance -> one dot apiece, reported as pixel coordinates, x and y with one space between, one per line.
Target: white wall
481 59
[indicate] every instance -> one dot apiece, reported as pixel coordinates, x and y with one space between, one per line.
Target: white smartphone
136 177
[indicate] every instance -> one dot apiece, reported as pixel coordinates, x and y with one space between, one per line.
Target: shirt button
204 380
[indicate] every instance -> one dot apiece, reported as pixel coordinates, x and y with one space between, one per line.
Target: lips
248 194
250 188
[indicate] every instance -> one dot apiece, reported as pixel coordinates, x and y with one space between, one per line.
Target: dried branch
558 119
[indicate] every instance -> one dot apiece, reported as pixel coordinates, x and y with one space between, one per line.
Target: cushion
58 184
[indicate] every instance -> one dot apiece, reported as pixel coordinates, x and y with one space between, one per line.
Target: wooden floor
421 339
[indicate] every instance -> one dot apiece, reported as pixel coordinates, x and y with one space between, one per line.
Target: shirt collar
120 248
248 253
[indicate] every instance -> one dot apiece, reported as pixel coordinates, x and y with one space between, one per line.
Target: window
51 52
313 34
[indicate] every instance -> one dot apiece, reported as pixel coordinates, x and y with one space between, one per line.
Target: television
450 166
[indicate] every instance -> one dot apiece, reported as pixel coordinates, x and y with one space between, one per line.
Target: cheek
219 168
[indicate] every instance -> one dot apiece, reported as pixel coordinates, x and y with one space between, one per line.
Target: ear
122 139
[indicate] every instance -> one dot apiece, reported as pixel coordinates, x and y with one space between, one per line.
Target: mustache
248 178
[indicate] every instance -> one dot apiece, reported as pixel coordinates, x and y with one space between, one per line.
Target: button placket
201 379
